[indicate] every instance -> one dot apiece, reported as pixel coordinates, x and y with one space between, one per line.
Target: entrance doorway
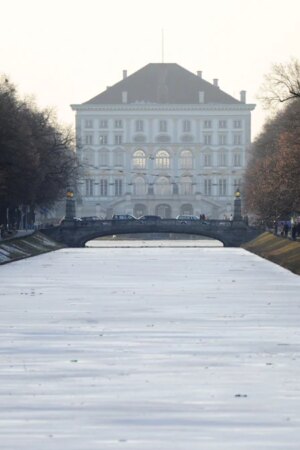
164 211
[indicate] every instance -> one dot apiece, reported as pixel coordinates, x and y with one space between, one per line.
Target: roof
163 83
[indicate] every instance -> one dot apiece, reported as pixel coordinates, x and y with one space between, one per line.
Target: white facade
161 158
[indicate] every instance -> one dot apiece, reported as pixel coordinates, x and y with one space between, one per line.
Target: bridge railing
164 223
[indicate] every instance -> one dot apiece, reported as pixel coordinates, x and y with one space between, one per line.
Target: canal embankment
26 246
277 249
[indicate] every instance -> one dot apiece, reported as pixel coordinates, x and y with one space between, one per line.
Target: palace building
162 141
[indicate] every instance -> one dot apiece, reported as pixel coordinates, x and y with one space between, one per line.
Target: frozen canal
149 348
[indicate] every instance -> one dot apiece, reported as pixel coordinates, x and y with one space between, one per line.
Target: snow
149 349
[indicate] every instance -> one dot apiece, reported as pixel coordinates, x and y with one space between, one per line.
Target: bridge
76 233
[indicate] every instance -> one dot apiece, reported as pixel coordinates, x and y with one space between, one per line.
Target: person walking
286 229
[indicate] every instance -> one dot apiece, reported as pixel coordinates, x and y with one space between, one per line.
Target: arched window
186 186
139 159
163 187
162 160
139 186
103 158
163 211
118 158
89 157
186 159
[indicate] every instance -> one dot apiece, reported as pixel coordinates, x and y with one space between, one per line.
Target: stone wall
25 247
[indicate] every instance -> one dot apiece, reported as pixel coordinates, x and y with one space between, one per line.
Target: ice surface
149 348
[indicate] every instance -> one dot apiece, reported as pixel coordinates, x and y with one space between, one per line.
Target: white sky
67 51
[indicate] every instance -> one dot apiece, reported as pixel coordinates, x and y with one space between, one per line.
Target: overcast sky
67 51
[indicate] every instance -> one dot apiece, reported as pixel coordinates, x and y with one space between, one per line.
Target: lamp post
70 206
237 209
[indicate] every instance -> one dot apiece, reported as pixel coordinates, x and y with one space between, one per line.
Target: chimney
124 97
243 96
216 82
199 73
124 74
201 97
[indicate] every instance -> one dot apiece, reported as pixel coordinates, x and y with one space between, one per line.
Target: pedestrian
285 229
294 231
298 229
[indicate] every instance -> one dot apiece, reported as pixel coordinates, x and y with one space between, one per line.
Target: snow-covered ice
149 349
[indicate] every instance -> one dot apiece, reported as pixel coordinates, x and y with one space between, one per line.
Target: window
89 187
163 187
103 158
222 159
139 160
139 125
237 182
222 186
163 126
118 123
103 139
222 139
139 186
207 139
103 187
207 186
103 123
88 139
118 187
186 159
118 158
207 123
118 139
88 123
237 139
89 157
207 159
186 187
186 125
237 160
162 160
222 123
237 124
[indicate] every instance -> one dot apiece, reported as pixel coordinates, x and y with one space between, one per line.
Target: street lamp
70 205
237 209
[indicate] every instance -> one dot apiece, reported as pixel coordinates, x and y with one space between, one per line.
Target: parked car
187 217
91 218
149 218
117 217
67 221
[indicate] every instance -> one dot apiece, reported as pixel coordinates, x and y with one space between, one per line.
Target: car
149 218
187 217
117 217
91 218
67 221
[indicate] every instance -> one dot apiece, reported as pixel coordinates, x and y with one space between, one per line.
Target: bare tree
37 157
272 177
282 84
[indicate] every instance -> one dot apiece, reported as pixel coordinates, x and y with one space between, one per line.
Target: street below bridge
149 349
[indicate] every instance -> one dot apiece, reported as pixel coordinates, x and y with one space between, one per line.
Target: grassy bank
279 250
24 247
